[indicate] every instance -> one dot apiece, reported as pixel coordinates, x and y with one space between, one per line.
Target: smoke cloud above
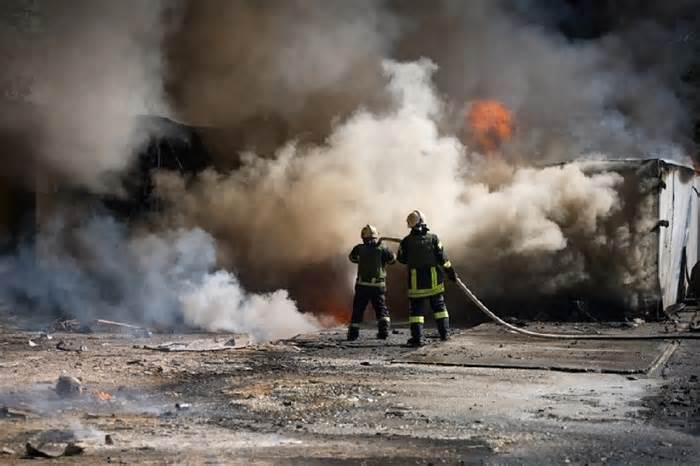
283 70
602 93
91 68
269 71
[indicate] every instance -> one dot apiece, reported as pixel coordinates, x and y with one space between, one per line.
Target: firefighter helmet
369 232
415 218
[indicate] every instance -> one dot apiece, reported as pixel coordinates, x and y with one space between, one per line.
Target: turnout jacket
425 257
371 260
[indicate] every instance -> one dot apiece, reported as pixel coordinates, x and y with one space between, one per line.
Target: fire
334 312
104 396
490 123
323 290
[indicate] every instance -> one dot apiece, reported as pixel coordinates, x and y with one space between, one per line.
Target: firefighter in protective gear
427 265
370 286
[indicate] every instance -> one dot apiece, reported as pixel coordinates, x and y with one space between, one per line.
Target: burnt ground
677 404
319 400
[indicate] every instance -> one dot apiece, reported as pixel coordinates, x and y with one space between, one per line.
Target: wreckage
640 262
661 216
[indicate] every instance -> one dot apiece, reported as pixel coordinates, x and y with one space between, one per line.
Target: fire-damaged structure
656 234
640 262
48 223
679 238
27 203
171 146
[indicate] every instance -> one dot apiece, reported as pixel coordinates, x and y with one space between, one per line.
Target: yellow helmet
415 219
369 232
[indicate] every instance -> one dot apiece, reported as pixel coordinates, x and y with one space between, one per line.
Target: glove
451 274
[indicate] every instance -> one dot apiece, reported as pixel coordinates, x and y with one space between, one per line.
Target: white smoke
307 204
100 270
535 210
218 302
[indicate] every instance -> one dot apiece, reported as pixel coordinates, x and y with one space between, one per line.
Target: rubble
183 406
320 394
7 451
63 346
66 325
198 345
6 412
104 396
120 326
68 386
694 325
634 323
516 321
53 450
43 337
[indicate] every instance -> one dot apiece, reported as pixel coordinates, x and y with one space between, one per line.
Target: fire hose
559 336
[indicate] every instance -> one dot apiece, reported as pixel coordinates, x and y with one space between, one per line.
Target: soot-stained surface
487 347
317 399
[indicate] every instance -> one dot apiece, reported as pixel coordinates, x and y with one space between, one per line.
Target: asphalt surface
319 400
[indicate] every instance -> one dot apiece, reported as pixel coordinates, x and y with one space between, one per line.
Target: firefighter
370 286
427 265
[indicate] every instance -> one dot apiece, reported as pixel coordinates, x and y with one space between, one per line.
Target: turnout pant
363 296
417 319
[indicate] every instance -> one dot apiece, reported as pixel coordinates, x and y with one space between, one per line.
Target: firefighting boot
416 339
383 329
353 332
443 326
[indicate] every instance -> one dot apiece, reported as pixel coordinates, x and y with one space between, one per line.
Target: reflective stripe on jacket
371 260
425 257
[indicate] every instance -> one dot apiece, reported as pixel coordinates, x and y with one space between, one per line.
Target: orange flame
104 396
334 311
490 122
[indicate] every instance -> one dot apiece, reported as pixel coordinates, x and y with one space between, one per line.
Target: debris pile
69 386
53 450
200 345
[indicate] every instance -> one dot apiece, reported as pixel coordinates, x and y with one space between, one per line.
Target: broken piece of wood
135 328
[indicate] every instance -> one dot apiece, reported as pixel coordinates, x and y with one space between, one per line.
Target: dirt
677 403
320 400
